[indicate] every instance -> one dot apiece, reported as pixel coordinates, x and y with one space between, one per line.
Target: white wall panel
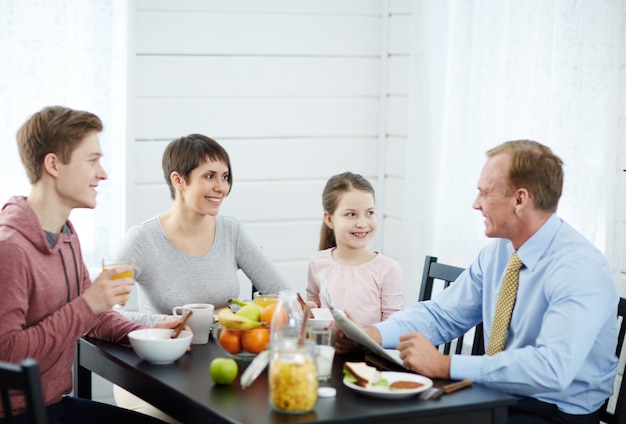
199 33
351 7
621 183
294 272
397 116
145 202
394 245
395 158
394 197
210 76
399 34
254 118
296 159
392 239
287 241
398 75
401 6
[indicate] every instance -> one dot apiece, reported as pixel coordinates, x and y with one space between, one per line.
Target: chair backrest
24 377
434 271
617 415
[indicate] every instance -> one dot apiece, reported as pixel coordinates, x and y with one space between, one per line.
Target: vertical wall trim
618 241
382 112
131 58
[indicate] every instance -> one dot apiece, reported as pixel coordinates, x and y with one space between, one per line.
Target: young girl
365 282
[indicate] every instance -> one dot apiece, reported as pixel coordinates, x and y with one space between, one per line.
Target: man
559 350
48 301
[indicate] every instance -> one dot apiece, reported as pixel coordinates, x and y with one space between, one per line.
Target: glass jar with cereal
292 377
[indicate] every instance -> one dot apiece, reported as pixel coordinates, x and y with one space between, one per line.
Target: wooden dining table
185 391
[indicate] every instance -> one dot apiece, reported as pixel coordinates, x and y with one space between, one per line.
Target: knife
255 368
436 392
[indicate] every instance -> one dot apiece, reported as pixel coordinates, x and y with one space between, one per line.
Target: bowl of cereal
156 346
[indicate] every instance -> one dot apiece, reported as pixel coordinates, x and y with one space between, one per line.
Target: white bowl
155 345
322 318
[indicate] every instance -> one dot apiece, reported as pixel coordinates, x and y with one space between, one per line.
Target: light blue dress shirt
560 346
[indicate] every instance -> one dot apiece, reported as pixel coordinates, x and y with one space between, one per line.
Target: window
69 53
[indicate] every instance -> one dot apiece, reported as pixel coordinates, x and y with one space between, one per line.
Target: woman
189 253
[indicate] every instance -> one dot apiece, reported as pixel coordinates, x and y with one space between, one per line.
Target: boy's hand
105 291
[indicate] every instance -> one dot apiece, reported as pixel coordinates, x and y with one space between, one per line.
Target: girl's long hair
335 187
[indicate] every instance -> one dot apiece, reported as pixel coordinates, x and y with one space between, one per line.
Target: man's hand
418 354
105 291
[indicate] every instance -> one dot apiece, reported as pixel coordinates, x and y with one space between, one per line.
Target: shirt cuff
389 333
466 366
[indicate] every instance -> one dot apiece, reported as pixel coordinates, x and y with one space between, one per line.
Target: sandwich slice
365 375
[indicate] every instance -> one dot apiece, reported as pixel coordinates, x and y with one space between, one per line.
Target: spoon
305 319
303 304
182 324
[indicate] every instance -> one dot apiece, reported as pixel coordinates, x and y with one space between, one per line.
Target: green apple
223 370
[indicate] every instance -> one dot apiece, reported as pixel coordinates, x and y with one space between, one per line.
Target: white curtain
70 53
484 72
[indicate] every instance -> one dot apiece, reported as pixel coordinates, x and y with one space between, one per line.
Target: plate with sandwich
363 378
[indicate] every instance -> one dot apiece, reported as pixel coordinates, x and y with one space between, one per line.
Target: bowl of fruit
245 333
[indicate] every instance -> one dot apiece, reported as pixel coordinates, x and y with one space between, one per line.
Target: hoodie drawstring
67 278
76 269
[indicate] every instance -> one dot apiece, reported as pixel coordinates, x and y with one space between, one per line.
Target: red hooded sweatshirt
41 312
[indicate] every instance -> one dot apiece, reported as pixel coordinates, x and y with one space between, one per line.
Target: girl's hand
344 345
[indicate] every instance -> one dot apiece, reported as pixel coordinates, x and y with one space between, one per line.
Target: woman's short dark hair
185 154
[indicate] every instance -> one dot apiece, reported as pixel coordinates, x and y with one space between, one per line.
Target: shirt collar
535 247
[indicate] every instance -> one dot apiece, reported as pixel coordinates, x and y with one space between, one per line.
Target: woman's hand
172 323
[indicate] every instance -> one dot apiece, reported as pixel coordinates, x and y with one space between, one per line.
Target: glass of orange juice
265 298
109 263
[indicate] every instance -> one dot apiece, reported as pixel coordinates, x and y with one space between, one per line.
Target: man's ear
51 164
522 198
328 219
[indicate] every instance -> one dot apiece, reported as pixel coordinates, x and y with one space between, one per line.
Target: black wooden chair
435 274
25 378
617 415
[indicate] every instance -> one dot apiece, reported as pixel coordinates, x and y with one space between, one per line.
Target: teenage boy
48 300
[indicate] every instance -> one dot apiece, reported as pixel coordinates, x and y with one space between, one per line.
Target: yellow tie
504 307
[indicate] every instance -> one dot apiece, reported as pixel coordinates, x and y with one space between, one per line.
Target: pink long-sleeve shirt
370 292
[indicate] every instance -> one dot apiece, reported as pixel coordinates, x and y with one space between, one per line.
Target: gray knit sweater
167 277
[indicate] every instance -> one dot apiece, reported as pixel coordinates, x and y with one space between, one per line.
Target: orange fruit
268 312
230 340
256 339
279 320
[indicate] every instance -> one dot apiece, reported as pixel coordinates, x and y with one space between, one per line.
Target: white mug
200 321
